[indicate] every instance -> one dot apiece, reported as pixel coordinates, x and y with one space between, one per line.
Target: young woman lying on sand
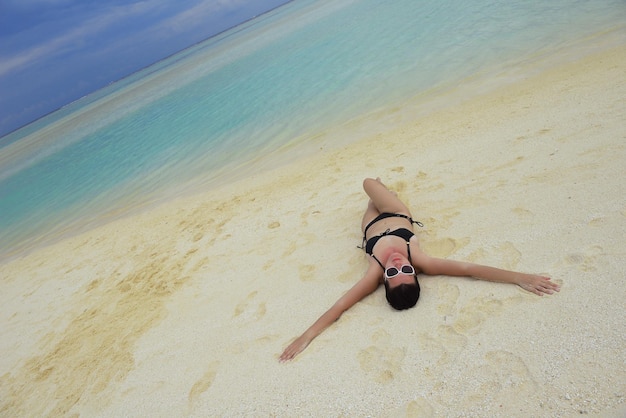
395 261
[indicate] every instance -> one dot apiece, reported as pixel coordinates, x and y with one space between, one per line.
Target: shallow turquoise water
284 77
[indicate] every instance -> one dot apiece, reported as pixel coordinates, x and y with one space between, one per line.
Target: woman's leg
370 213
382 198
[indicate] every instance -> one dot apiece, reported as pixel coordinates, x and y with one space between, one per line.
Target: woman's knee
368 182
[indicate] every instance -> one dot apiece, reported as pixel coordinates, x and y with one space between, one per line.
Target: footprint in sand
523 213
252 344
419 408
472 316
478 310
511 256
586 261
347 276
444 345
204 383
273 225
446 246
247 307
303 240
290 249
476 256
304 216
448 294
202 263
399 187
381 364
507 252
502 374
544 131
597 222
268 265
307 272
496 377
381 361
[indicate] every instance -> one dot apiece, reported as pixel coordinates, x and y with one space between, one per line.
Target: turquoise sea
209 114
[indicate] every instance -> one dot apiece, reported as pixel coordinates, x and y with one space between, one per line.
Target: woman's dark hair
403 296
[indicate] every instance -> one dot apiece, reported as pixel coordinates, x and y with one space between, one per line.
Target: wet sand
184 310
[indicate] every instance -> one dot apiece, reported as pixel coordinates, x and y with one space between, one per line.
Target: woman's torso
389 243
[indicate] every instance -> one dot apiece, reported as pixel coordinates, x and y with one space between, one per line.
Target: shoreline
380 121
156 314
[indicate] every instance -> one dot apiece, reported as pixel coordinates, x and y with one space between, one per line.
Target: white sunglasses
393 272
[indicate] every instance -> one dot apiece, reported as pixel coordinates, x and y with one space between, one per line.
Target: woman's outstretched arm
362 288
534 283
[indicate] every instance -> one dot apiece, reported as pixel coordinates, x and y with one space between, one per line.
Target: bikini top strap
378 261
408 250
418 223
408 218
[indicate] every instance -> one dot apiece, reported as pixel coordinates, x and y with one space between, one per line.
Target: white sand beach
184 310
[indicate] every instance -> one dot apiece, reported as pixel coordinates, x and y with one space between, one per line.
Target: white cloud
74 37
198 14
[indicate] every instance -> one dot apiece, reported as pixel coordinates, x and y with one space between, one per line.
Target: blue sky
53 52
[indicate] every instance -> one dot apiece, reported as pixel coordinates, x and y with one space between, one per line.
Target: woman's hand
538 285
295 348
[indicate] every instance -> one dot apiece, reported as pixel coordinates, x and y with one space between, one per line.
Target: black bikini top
404 233
369 248
401 232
